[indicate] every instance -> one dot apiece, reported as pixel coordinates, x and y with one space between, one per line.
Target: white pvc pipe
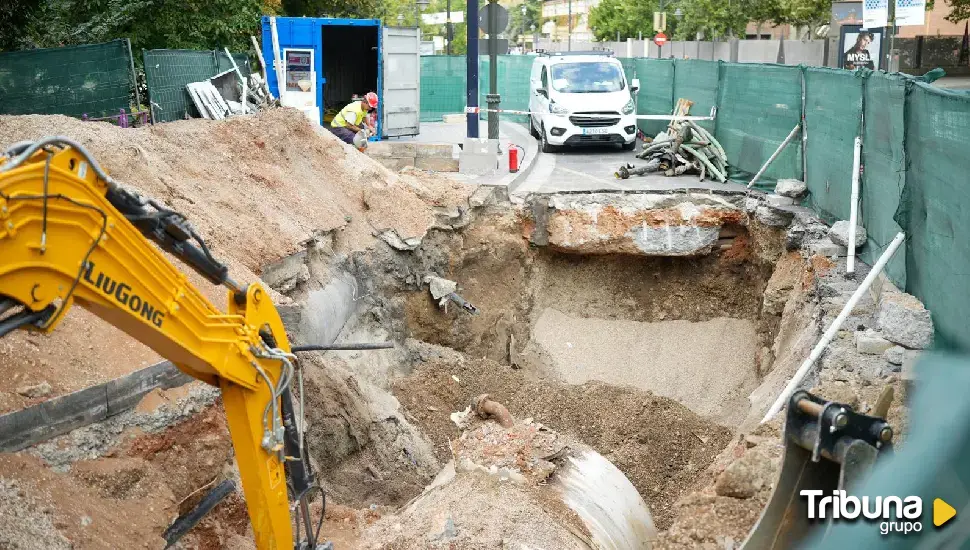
775 155
277 58
854 205
834 328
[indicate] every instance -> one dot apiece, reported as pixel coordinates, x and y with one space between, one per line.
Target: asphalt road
591 169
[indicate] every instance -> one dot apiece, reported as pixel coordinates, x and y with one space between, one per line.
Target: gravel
24 525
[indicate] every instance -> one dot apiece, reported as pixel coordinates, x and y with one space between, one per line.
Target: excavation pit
649 359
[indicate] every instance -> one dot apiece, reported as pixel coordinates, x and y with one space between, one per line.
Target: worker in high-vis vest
350 119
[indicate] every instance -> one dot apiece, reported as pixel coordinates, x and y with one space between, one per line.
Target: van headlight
629 108
557 109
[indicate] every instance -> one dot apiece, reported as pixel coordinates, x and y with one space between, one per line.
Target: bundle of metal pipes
683 148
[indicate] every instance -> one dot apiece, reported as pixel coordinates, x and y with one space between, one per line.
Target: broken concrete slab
904 320
871 342
778 200
391 149
791 188
839 234
773 217
396 164
795 236
436 150
825 248
641 224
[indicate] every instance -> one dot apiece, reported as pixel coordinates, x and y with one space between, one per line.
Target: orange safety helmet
371 99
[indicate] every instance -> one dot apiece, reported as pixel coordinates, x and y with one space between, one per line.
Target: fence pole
134 76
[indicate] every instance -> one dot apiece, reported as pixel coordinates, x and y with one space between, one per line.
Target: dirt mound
659 444
254 187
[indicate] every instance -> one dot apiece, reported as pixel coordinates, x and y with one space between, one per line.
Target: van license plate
594 131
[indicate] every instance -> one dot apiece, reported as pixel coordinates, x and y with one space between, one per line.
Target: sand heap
255 187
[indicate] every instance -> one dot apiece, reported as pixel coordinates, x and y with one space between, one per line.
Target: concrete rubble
839 234
791 188
904 320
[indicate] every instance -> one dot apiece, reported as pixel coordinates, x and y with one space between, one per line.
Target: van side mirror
634 85
543 92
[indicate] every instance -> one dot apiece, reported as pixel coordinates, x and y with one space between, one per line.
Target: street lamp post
400 20
523 26
535 36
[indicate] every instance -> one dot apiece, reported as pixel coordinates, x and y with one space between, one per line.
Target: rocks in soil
895 355
903 319
23 522
791 188
870 342
795 236
839 234
748 475
34 391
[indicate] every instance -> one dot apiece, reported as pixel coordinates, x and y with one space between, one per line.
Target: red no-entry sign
660 39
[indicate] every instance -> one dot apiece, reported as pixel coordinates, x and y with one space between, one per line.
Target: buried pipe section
774 155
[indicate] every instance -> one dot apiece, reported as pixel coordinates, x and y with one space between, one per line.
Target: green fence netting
833 108
758 105
168 71
656 92
442 86
883 156
513 73
933 207
697 80
94 79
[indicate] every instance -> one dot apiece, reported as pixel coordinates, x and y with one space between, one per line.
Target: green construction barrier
883 156
442 86
168 71
697 80
758 105
513 74
933 207
94 79
833 116
656 92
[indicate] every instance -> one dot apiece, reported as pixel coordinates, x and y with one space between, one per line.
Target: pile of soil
658 443
255 187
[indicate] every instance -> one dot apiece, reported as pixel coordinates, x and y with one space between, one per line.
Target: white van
580 98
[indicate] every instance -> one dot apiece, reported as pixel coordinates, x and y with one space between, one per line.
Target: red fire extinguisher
514 157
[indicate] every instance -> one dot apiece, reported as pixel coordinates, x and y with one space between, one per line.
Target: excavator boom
72 235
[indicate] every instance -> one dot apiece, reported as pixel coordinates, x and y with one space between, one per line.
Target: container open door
401 91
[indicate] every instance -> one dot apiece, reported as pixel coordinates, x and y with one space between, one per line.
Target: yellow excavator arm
72 235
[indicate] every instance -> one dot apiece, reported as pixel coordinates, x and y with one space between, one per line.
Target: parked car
579 98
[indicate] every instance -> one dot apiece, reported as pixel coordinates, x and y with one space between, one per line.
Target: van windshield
588 77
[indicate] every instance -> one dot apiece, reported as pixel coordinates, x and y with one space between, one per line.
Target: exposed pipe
277 59
854 205
834 328
486 408
775 155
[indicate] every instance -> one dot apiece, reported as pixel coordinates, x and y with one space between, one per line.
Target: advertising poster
860 48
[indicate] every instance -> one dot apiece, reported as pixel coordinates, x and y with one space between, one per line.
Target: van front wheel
630 146
544 140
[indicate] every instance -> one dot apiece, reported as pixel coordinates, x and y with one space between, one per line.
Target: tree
519 24
804 13
331 8
14 16
713 18
959 10
629 18
761 12
150 24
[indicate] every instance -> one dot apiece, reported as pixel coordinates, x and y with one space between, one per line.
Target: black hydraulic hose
7 303
25 317
343 347
185 522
